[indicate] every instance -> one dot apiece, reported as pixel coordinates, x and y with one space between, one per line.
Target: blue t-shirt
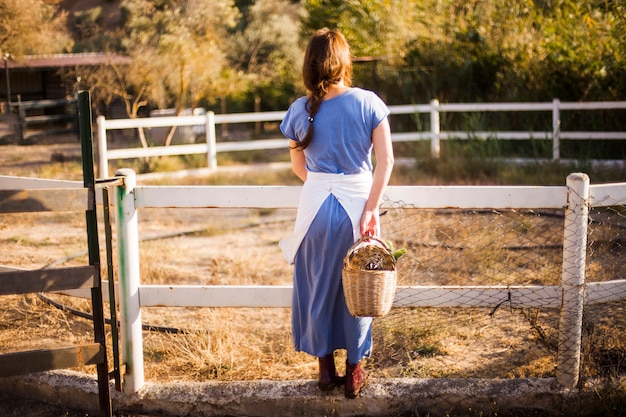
342 134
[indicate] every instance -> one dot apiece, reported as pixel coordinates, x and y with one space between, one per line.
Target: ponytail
327 60
312 106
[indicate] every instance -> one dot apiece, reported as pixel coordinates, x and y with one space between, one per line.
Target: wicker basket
369 278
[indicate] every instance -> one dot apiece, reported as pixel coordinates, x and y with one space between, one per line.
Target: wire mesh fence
604 321
489 296
467 331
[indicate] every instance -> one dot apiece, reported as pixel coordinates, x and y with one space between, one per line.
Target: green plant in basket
396 253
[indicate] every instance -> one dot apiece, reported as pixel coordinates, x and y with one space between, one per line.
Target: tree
181 46
581 54
380 32
369 26
497 50
263 54
177 50
112 81
32 27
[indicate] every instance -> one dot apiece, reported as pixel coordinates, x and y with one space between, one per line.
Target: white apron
351 191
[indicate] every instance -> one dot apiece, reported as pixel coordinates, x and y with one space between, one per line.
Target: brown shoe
355 379
328 378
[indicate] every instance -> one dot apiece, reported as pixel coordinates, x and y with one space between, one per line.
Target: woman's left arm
298 161
383 149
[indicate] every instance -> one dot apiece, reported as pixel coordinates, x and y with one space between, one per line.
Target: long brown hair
327 60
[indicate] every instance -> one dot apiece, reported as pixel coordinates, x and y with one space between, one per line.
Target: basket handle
362 241
365 239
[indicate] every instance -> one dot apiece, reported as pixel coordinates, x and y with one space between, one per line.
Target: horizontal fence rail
52 116
211 146
279 296
416 196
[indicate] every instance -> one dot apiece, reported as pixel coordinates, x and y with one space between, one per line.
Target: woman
332 132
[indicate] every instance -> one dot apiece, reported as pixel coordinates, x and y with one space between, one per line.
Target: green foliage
264 53
469 72
373 28
88 22
180 47
579 50
204 52
362 22
494 50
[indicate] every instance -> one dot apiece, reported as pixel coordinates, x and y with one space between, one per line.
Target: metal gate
56 279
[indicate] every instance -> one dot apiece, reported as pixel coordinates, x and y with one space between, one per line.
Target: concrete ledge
383 397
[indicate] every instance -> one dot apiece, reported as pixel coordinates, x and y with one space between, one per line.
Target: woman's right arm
298 162
383 149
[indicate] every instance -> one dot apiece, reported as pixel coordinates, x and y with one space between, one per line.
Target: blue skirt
321 322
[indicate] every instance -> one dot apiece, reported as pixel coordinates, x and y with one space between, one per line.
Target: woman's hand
369 223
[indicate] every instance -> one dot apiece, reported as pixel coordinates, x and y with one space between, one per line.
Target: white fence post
103 168
209 127
556 129
435 147
573 280
130 310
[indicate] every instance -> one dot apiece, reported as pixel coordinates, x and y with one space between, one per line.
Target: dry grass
215 246
241 344
28 323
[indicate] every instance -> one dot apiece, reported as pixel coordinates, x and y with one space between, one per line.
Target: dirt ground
14 406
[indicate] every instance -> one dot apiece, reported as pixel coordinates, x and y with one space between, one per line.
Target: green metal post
86 138
117 374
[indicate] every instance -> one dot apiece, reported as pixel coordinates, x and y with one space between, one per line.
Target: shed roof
67 60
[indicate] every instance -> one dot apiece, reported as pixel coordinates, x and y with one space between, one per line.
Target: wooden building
41 97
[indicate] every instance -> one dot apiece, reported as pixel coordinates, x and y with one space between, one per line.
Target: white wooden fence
435 135
576 198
